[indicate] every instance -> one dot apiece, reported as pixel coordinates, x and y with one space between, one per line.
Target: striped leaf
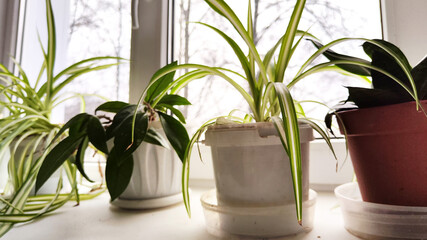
291 137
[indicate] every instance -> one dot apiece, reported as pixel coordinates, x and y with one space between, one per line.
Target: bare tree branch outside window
99 28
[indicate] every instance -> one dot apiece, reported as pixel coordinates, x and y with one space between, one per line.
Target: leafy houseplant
269 98
386 130
130 127
27 129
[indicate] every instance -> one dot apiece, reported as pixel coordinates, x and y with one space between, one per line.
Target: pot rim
246 126
252 134
383 120
423 102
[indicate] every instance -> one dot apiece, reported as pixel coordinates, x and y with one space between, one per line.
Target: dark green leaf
155 138
113 106
118 173
123 137
419 73
175 111
370 49
161 84
366 97
333 56
173 100
96 134
119 118
328 121
383 60
76 122
80 157
56 157
176 134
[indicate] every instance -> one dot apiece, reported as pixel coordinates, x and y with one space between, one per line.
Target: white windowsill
97 219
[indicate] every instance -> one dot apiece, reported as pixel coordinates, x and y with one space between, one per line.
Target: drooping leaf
319 130
175 111
382 59
123 137
291 134
332 56
186 165
118 120
155 138
75 125
118 173
370 49
80 155
176 134
83 71
160 85
56 157
96 134
112 106
83 64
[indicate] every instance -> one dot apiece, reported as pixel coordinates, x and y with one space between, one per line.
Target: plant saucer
248 222
151 203
379 221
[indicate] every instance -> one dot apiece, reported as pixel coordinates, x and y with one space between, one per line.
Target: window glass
326 19
99 28
84 29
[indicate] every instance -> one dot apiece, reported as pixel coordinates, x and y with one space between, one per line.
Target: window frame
9 25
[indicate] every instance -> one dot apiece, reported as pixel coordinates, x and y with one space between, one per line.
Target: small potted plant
261 158
27 129
137 146
386 127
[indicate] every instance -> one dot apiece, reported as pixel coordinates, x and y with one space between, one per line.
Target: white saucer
243 222
380 221
147 203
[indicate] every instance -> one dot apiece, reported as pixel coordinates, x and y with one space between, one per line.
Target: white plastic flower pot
156 177
24 151
252 170
251 165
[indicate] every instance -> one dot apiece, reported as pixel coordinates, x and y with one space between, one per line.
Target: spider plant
126 134
269 97
27 128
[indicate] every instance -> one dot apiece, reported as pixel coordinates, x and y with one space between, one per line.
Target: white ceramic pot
156 172
250 165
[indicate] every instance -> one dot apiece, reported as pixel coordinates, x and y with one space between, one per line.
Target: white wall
405 24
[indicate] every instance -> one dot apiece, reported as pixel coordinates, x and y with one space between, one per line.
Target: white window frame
9 24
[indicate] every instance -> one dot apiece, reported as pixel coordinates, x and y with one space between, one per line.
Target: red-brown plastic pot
388 148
